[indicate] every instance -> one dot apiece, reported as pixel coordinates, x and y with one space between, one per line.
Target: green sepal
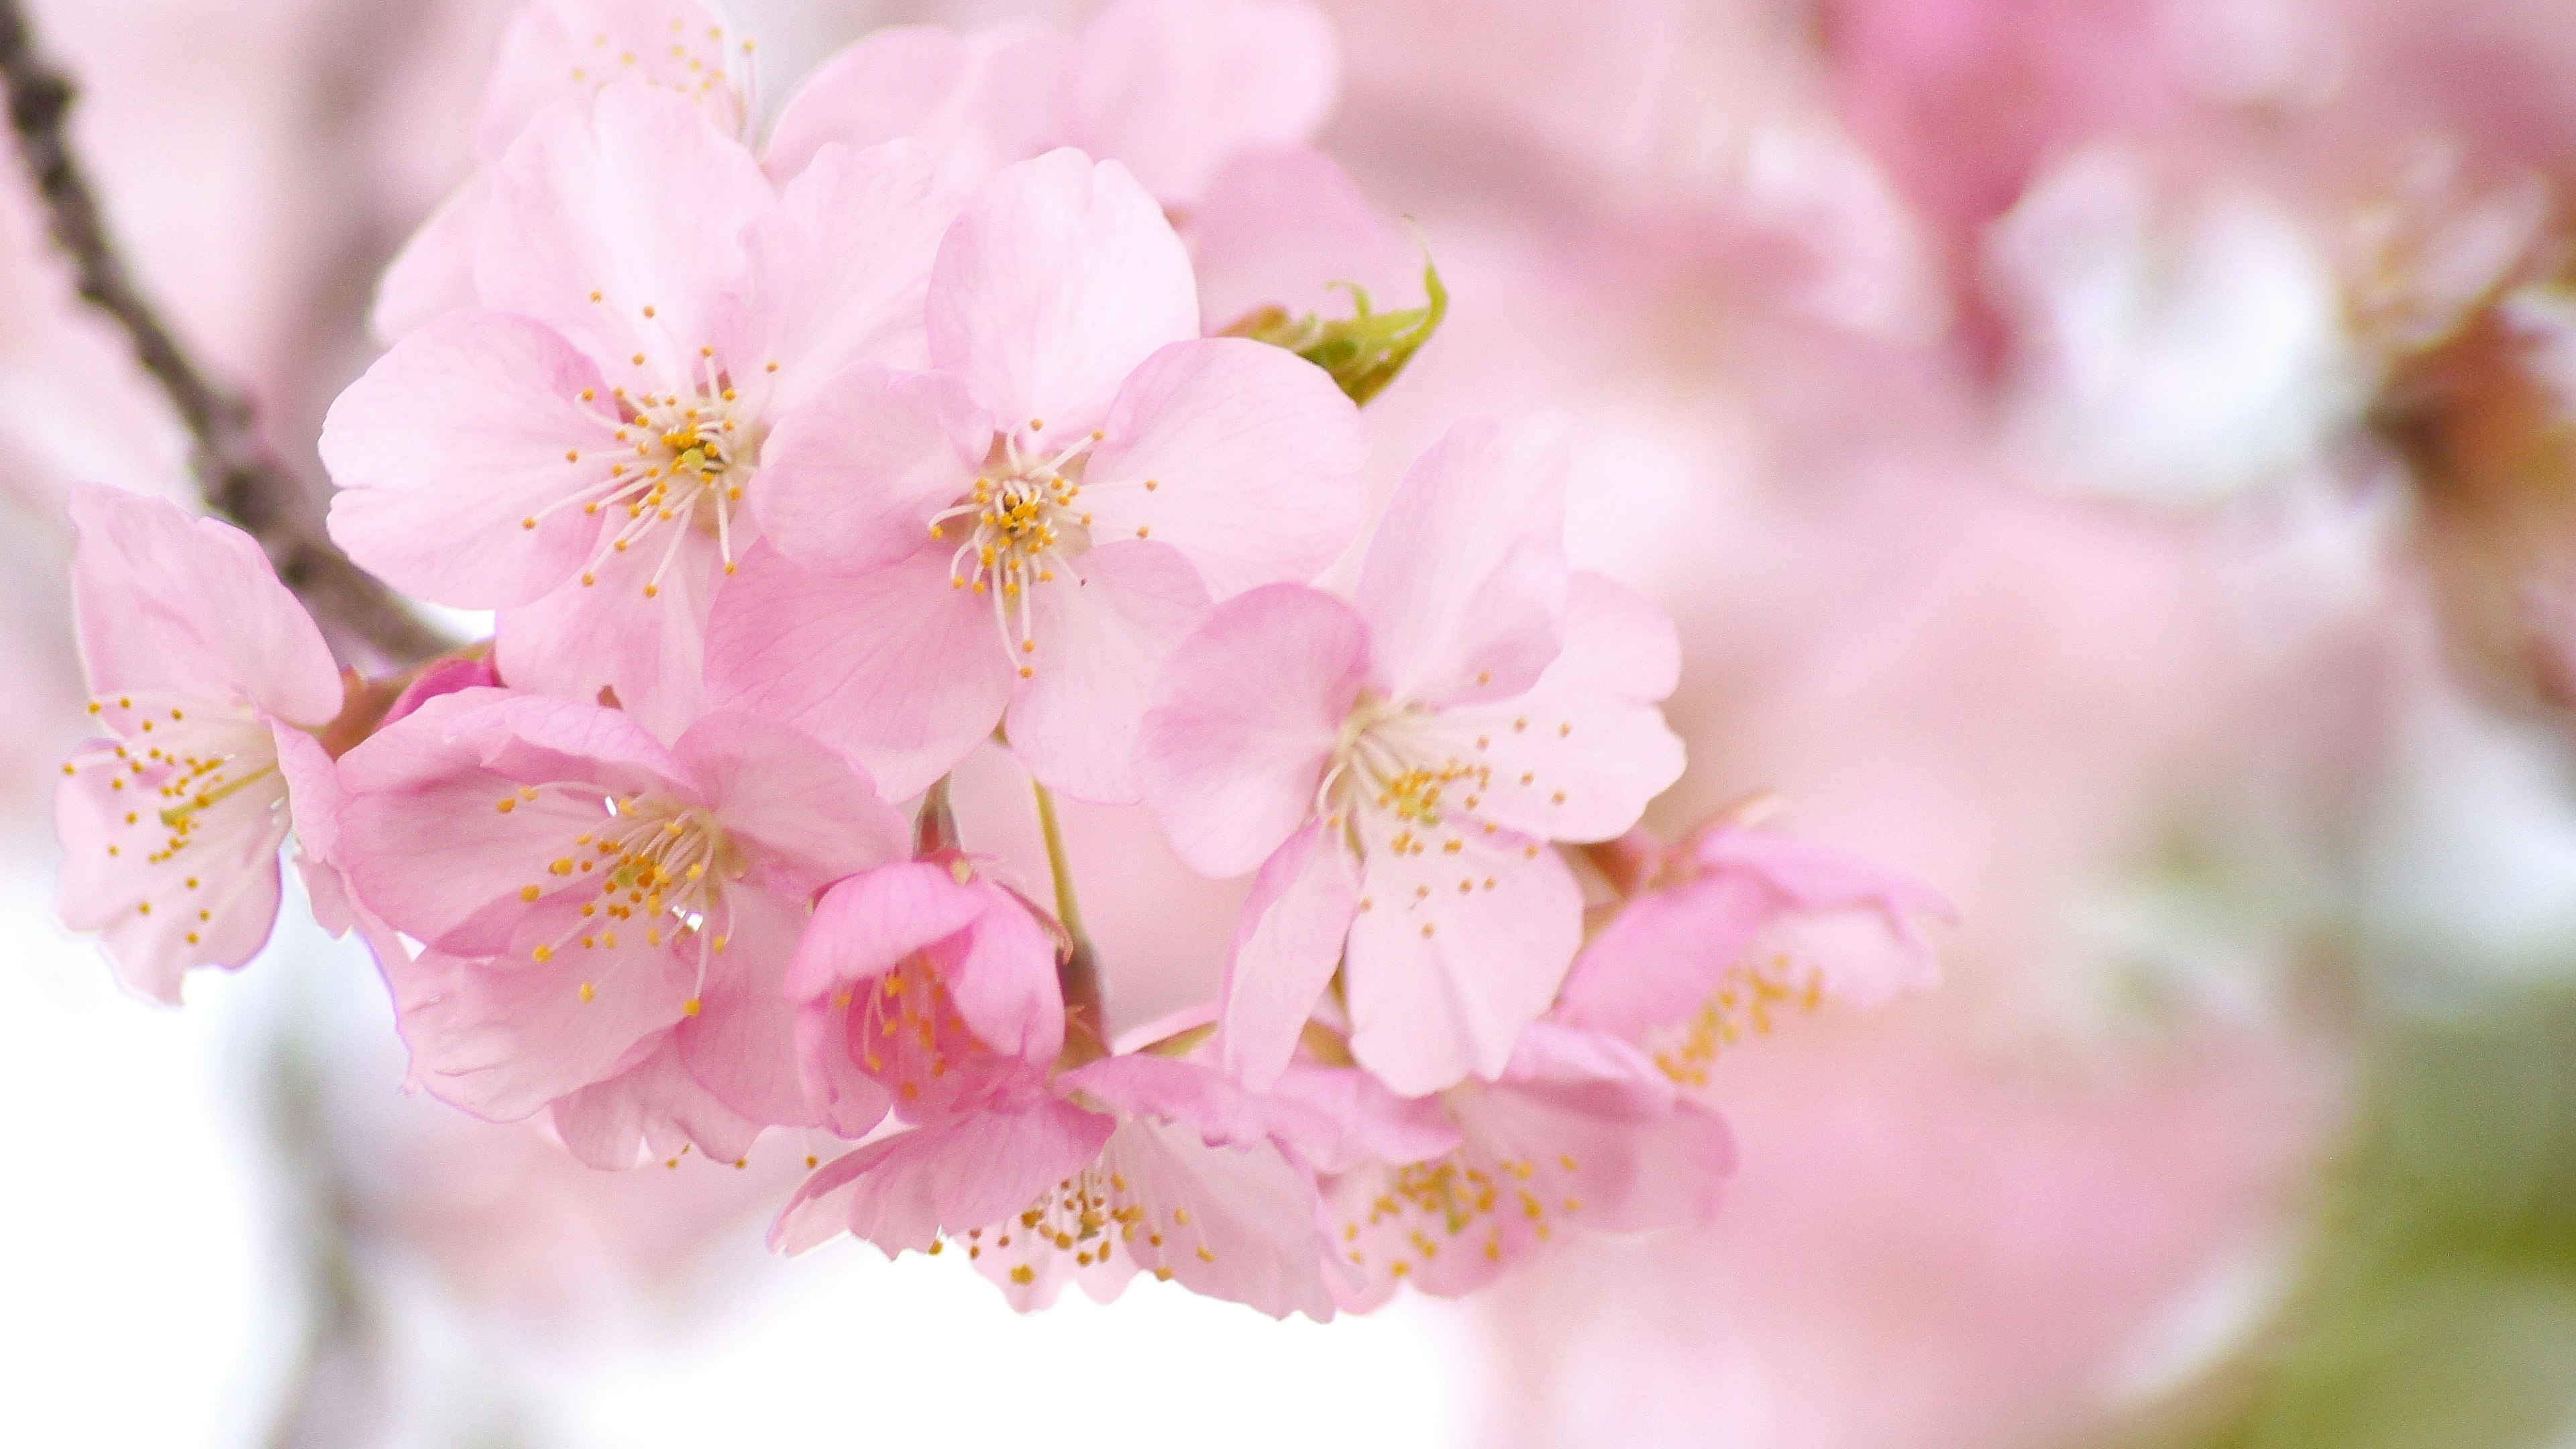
1363 352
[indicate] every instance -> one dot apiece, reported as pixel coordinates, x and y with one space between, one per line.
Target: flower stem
1059 865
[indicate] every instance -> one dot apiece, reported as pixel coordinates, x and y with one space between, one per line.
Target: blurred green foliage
2437 1306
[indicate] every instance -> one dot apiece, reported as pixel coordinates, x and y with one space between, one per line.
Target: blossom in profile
608 921
1397 766
1020 536
1126 1165
581 451
208 679
1726 933
924 986
1580 1132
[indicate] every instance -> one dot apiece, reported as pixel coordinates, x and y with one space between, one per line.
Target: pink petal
169 604
503 1038
1286 948
851 1101
433 274
582 208
442 676
1464 588
894 667
976 102
850 483
559 49
1001 977
866 925
1581 755
1253 455
1103 637
1175 87
648 1113
1280 228
1056 282
910 1189
451 444
1245 722
610 635
809 817
741 1044
840 271
1371 1124
1453 953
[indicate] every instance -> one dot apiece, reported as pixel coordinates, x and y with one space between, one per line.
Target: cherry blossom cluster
797 464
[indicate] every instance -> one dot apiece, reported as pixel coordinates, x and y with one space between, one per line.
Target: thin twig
241 477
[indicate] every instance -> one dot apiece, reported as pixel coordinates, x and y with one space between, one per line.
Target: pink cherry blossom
924 985
207 675
1130 1164
608 921
1397 765
1021 535
1447 1193
579 451
1710 952
556 50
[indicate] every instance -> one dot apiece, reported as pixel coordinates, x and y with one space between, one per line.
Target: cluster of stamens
1021 522
654 865
1748 1002
205 776
1090 1215
699 73
1423 1207
904 1030
676 462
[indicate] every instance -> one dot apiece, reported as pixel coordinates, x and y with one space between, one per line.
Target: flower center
660 866
1021 523
1377 769
676 463
205 794
1111 1205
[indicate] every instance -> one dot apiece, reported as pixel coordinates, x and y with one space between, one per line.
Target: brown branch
241 477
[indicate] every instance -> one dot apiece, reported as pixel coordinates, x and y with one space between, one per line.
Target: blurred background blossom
2116 458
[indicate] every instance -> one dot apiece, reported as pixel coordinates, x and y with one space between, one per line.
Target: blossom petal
1242 455
1582 753
1464 588
978 102
650 1112
1057 280
581 239
451 444
1454 952
813 817
1245 721
1174 87
839 271
741 1041
559 49
1286 228
1286 948
893 667
1001 977
433 274
169 604
866 925
851 482
1102 637
910 1189
609 634
502 1038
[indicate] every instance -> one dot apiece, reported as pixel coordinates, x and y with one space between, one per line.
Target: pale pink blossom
1710 950
1021 535
1447 1193
608 922
207 678
556 50
1129 1164
579 452
1397 765
923 985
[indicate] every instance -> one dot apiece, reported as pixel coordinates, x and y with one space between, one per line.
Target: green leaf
1365 351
